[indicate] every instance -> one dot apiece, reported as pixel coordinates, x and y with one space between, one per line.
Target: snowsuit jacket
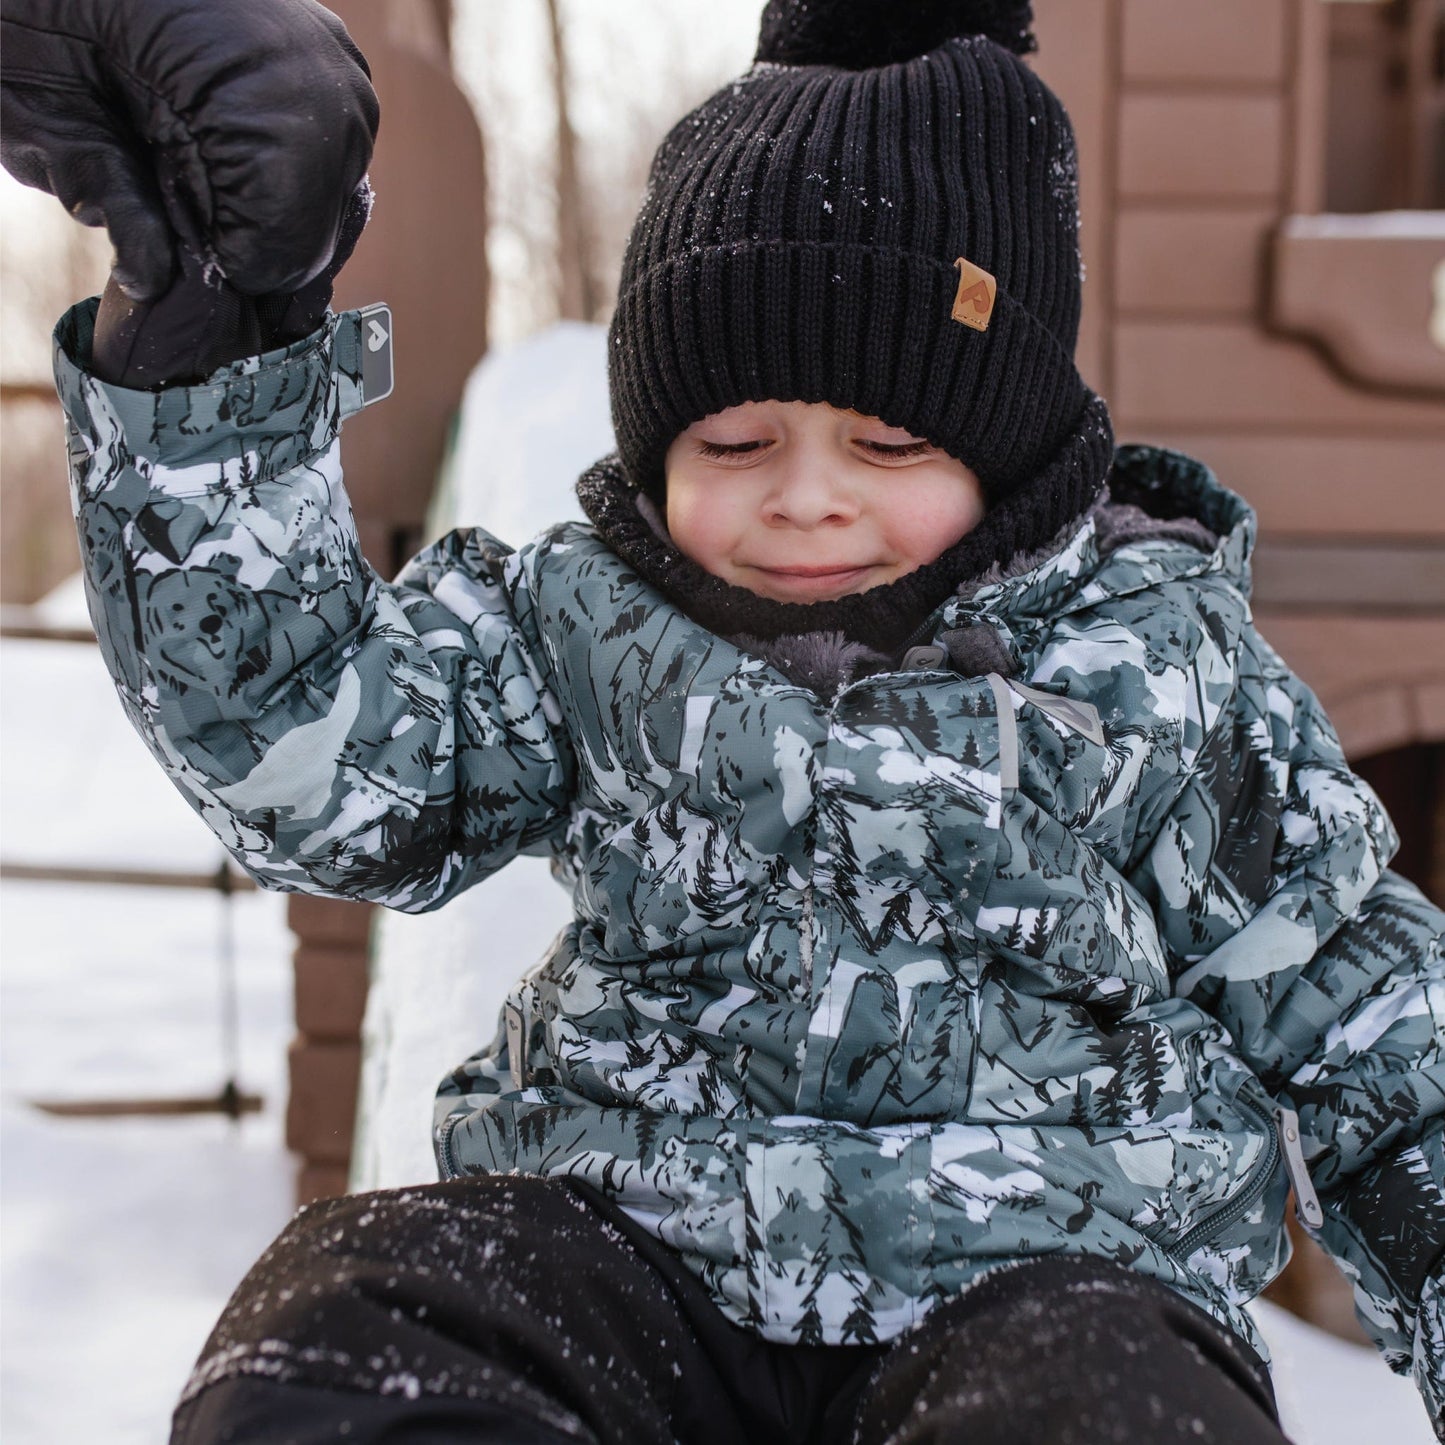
865 995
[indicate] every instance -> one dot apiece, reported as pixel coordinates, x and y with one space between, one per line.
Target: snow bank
122 1238
534 417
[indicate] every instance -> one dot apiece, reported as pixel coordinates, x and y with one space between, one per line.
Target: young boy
977 929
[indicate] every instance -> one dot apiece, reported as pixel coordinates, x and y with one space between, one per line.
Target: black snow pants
534 1312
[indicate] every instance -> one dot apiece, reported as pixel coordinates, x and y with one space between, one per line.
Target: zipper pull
1306 1201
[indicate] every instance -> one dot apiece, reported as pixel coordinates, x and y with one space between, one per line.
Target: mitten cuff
258 417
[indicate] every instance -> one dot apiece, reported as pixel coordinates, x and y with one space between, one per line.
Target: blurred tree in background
572 97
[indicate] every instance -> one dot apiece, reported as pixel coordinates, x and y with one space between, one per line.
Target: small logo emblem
976 293
377 377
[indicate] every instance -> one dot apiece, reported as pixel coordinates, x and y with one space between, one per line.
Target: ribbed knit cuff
856 326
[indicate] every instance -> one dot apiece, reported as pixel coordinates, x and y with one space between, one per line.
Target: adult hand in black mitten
200 321
217 141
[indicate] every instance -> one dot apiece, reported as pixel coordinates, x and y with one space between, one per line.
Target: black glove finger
282 183
275 246
65 143
288 316
108 187
181 337
353 223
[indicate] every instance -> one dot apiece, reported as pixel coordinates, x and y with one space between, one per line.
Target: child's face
801 502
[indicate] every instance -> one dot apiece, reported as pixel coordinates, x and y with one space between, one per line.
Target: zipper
917 635
1231 1209
446 1162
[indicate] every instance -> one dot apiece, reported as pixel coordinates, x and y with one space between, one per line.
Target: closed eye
720 451
895 451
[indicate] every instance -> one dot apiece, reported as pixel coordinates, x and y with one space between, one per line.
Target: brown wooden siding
1193 261
1195 374
1226 41
1349 486
1189 146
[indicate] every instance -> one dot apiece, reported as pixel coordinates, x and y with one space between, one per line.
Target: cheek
931 523
695 519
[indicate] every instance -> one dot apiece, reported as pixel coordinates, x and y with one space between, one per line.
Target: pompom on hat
881 214
869 33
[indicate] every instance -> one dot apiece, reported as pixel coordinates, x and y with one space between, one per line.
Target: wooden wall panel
1191 262
1075 59
1229 41
1308 105
1224 375
1221 147
1367 298
1328 486
1351 575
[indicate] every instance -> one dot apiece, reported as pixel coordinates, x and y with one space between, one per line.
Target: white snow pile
122 1238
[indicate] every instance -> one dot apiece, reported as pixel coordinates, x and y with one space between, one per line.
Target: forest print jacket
864 995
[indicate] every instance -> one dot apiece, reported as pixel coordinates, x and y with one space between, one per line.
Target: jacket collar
1154 496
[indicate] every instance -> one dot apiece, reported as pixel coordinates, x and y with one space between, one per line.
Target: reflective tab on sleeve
362 356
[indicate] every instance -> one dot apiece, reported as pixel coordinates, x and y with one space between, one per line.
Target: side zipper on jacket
446 1161
1226 1213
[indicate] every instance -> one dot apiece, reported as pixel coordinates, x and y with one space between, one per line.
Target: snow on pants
533 1312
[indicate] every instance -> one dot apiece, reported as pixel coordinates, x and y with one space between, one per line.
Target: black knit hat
881 214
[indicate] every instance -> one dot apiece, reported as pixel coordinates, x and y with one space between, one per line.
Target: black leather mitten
222 143
200 321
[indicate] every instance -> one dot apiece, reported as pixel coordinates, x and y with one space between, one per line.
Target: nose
809 495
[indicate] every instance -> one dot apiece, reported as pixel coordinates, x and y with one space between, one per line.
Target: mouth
816 582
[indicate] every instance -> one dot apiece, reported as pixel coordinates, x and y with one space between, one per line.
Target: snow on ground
122 1239
1332 1392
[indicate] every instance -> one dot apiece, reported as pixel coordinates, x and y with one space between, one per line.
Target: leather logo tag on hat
976 292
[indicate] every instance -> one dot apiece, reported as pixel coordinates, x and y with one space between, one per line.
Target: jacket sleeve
340 735
1269 882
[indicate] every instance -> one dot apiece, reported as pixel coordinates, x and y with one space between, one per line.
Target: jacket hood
1128 542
